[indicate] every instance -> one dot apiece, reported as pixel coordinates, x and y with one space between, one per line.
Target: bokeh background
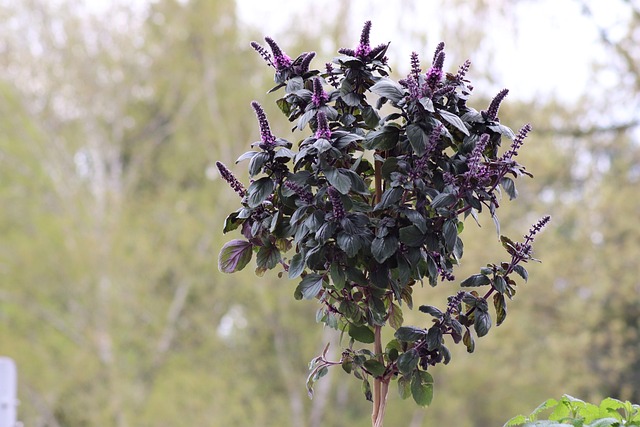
112 115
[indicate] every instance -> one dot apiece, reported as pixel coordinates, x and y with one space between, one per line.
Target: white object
8 389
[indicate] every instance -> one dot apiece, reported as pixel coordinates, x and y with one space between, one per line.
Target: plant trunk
380 385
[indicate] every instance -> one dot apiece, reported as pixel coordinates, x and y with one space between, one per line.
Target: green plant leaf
500 284
501 308
510 187
418 139
257 162
361 333
408 361
383 139
482 323
404 386
366 390
454 120
395 317
412 236
309 286
475 281
259 191
339 181
422 388
450 233
374 367
234 256
522 272
296 267
410 334
389 89
268 256
383 248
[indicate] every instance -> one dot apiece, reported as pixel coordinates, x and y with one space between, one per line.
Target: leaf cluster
372 203
578 413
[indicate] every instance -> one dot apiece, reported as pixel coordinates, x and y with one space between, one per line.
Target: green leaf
522 272
454 120
268 256
500 284
475 280
389 89
370 116
434 338
434 311
296 267
422 388
410 334
366 389
374 367
395 317
482 323
510 187
341 182
468 341
383 247
350 244
234 256
418 139
500 305
361 333
390 197
259 191
309 287
383 139
338 276
450 232
404 386
411 236
257 162
443 200
408 361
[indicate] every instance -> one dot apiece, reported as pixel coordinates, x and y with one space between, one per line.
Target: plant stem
380 384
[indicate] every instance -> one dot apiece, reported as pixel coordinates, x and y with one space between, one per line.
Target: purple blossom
331 77
517 143
415 66
233 182
263 53
323 131
280 59
436 54
536 228
336 202
304 194
492 111
435 73
306 62
267 138
462 71
364 48
476 169
319 97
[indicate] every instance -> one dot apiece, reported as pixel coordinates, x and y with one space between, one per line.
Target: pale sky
547 49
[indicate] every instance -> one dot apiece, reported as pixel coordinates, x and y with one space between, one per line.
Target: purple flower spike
364 48
517 142
263 53
304 194
462 71
280 59
319 97
233 182
336 203
268 140
492 111
439 48
306 62
331 77
323 131
435 73
415 66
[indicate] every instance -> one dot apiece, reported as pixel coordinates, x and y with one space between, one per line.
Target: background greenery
111 120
